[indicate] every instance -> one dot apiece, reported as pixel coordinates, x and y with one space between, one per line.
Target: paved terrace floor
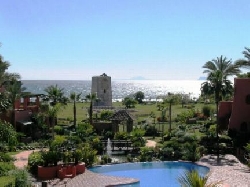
229 170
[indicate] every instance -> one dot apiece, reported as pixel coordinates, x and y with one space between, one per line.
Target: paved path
21 159
151 143
230 170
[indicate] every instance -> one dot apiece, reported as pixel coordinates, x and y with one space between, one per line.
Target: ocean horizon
153 89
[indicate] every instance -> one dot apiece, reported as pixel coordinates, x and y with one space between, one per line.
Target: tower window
248 99
104 91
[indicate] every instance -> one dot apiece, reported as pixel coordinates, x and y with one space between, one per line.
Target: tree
8 134
217 83
14 91
245 63
6 78
91 98
74 97
55 97
139 96
129 102
171 99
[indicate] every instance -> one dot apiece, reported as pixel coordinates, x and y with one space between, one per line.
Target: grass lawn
6 180
141 112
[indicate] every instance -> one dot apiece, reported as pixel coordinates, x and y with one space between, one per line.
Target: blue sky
156 39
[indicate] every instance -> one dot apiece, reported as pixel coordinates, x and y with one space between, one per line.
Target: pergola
122 116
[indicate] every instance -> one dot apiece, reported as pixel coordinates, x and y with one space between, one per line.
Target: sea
152 89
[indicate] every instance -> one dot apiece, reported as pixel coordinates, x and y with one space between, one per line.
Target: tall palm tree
55 97
91 97
55 94
217 83
14 91
52 115
6 78
74 97
245 63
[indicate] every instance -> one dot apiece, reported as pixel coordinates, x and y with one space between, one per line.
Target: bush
5 157
59 130
21 178
150 130
206 110
146 154
105 114
105 159
5 167
35 159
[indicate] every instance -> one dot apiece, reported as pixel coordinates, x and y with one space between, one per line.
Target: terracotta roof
122 115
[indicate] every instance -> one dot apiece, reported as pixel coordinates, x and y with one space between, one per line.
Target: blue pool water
151 174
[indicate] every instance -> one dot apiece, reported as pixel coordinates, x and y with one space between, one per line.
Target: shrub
50 157
105 114
21 178
146 154
35 159
5 157
89 154
105 159
5 167
121 136
59 130
150 130
206 110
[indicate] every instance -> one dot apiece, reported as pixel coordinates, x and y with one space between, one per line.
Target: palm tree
14 91
74 97
193 179
218 71
245 63
6 78
52 115
55 95
56 98
91 97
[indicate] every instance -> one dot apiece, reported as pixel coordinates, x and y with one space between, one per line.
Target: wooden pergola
119 117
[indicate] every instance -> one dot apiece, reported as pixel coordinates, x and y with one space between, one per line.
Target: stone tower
101 86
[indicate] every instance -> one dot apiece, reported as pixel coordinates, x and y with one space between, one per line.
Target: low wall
50 172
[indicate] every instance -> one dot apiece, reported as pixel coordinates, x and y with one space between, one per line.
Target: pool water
151 174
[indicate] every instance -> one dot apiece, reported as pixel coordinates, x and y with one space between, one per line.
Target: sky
154 39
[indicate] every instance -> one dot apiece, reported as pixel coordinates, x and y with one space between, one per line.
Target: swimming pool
156 174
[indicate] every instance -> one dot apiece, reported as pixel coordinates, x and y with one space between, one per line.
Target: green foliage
5 157
57 142
5 167
137 137
193 179
105 159
129 102
35 159
105 114
84 130
89 154
50 157
184 115
21 178
150 130
77 155
146 154
139 96
59 130
97 144
121 136
190 151
8 134
206 110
